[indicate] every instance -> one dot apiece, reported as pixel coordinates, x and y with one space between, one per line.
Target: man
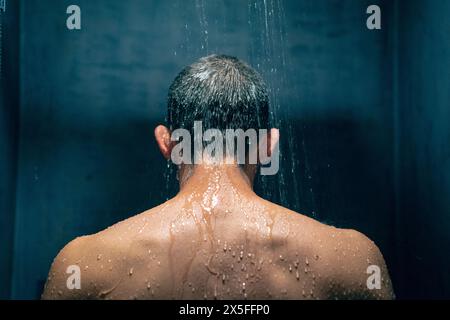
216 239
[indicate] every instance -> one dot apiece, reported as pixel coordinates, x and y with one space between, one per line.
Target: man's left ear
273 138
267 145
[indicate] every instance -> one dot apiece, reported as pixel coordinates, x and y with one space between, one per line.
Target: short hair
222 92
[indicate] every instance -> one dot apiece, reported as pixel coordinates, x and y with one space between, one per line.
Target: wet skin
218 240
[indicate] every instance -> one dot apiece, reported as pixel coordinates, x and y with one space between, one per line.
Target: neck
225 177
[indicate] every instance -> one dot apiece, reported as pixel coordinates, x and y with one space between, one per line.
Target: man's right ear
162 136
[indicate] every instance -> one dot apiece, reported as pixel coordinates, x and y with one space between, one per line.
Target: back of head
222 92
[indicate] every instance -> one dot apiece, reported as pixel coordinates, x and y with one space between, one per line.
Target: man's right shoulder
88 259
71 260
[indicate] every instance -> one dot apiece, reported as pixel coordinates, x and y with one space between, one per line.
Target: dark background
364 118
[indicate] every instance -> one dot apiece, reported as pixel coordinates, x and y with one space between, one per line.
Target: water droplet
99 256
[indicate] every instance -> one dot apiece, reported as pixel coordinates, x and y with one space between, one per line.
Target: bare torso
219 241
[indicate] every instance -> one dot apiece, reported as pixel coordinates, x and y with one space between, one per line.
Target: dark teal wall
424 161
9 122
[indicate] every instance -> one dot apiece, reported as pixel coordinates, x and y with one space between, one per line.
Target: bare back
203 246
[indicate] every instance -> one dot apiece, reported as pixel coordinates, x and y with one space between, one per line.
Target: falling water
268 54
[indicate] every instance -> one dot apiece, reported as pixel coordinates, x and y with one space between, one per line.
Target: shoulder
69 274
346 245
86 264
350 264
89 265
357 268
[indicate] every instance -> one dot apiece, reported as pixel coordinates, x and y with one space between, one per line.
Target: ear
162 136
273 140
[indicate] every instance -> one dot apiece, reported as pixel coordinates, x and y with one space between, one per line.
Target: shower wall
9 116
424 150
358 151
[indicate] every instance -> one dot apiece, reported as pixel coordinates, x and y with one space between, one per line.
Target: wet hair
222 92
